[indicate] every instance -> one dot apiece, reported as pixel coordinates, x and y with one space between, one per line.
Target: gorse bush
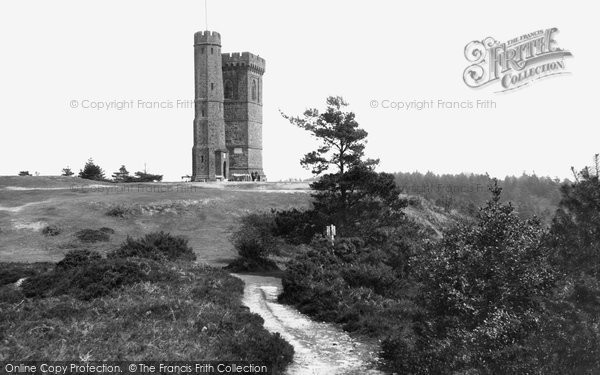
77 258
157 246
86 277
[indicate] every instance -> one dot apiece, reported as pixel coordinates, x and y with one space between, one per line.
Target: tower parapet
207 37
244 59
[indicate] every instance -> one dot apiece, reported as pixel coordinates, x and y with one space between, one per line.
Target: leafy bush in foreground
193 312
157 246
12 272
254 239
492 303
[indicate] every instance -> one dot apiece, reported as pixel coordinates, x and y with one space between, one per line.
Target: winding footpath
320 348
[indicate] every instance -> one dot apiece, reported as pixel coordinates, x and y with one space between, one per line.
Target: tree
67 172
122 175
353 197
575 232
92 171
342 141
485 289
147 177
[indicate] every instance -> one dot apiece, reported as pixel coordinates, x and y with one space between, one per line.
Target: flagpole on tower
206 14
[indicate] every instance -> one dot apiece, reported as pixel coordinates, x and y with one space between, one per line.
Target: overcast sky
56 52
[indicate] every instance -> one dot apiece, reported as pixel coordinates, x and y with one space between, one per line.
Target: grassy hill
204 213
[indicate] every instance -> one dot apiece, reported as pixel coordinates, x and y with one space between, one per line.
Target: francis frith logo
514 63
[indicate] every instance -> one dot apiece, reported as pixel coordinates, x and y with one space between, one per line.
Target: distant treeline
530 194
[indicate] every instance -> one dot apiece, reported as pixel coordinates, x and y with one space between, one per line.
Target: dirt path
320 348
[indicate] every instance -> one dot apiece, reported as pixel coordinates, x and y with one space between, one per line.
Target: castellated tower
242 74
209 154
228 118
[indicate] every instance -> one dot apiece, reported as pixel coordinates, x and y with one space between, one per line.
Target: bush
12 272
107 230
51 230
78 258
252 265
157 246
254 239
86 280
92 235
118 211
485 292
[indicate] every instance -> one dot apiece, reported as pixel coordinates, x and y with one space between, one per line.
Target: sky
56 53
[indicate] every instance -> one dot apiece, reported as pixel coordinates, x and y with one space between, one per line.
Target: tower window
212 50
202 159
202 50
253 89
212 86
228 90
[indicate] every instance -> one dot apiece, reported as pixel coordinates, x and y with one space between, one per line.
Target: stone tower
242 74
228 118
209 154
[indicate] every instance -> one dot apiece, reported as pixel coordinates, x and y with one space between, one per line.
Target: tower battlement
237 59
207 37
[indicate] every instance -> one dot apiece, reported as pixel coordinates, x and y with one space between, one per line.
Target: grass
204 213
194 314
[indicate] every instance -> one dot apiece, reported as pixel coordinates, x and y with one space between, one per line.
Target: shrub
77 258
485 293
107 230
88 280
92 235
157 246
254 239
252 265
118 211
51 230
12 272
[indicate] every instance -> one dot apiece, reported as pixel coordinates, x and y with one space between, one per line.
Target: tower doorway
225 170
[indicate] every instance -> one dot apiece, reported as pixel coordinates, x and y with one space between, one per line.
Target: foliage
67 172
362 287
531 195
359 201
51 230
354 197
342 141
91 171
488 299
91 277
575 232
254 237
92 235
145 177
193 312
122 175
77 258
12 272
157 246
118 211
